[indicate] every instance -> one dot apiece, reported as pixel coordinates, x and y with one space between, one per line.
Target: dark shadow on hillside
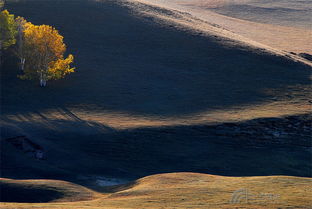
253 148
24 194
131 64
36 123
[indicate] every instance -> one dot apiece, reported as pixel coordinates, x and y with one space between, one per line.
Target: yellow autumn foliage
61 67
44 50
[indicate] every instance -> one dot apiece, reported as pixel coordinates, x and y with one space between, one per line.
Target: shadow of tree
131 64
80 147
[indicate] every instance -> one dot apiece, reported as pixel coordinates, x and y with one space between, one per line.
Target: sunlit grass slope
187 190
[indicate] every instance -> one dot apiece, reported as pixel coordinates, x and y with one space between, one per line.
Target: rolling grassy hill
153 95
36 191
185 190
137 68
283 25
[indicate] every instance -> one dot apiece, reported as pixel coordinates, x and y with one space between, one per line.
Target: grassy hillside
234 149
35 191
191 190
152 95
282 25
138 73
134 65
283 12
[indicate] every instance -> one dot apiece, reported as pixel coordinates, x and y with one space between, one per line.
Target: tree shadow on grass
90 149
132 64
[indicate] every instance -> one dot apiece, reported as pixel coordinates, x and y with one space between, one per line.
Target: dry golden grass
107 107
193 190
121 120
276 39
187 190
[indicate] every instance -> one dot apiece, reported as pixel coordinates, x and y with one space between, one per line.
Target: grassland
186 190
154 72
282 25
153 91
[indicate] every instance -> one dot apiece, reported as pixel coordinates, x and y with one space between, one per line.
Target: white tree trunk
20 47
22 64
43 80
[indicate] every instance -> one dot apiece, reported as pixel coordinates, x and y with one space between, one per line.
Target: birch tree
21 22
43 50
